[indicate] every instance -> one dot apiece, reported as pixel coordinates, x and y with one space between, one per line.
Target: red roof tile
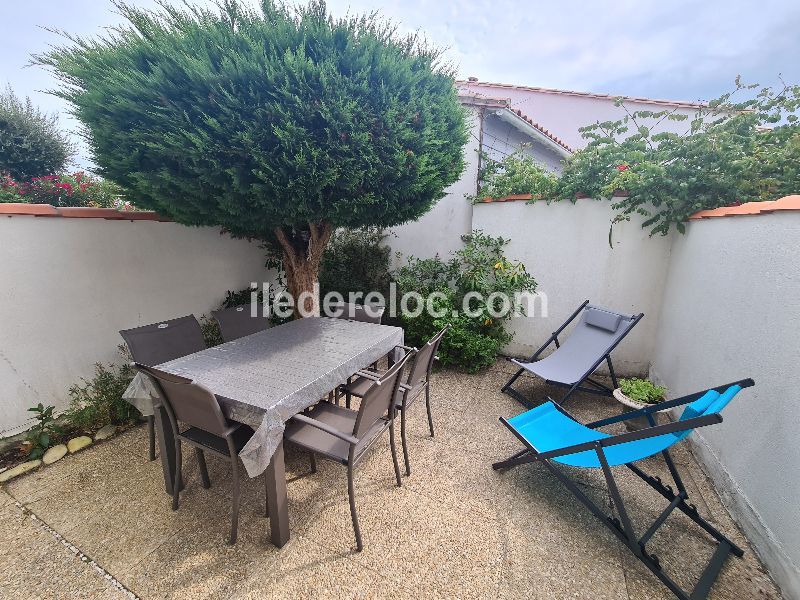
544 90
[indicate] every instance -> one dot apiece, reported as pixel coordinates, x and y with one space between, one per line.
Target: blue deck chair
598 331
551 435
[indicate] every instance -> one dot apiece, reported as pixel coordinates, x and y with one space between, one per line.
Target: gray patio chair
367 313
208 430
345 436
574 360
418 380
157 343
237 322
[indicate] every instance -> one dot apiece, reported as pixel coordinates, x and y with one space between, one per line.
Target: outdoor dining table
263 380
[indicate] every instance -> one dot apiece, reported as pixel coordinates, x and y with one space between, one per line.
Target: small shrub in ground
31 143
474 340
98 401
642 390
355 260
76 189
43 434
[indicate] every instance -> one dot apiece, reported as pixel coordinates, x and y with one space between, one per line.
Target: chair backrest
598 331
423 359
161 342
237 322
188 402
378 401
712 402
368 313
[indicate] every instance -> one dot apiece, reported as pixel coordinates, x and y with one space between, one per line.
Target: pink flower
621 168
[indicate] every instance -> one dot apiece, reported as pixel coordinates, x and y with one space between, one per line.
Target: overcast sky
676 49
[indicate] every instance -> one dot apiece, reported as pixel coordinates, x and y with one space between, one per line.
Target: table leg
277 503
166 446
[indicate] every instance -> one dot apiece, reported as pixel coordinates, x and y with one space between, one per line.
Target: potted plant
636 393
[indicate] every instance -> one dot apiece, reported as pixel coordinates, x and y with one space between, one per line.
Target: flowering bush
466 293
77 189
731 152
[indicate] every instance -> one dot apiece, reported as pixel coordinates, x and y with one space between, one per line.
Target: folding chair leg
611 371
313 459
627 527
511 381
520 458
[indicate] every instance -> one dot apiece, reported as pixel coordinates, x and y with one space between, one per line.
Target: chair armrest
405 387
369 375
326 428
653 408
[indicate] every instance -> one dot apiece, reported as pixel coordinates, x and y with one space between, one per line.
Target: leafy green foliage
31 143
731 152
98 401
476 336
259 120
42 435
355 260
212 334
514 174
77 189
642 390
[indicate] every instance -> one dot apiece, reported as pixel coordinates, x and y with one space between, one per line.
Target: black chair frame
622 527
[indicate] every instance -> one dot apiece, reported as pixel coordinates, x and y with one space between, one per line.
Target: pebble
78 443
53 454
19 470
105 432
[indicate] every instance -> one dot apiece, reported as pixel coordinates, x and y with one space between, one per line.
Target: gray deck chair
208 430
367 313
418 380
345 436
237 322
157 343
574 360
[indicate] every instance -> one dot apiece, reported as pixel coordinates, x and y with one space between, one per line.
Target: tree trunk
302 254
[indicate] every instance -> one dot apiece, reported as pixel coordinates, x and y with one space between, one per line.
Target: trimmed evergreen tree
279 124
31 143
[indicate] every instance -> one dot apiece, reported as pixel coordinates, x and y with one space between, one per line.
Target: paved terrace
455 529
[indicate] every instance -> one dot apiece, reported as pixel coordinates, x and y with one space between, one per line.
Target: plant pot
631 405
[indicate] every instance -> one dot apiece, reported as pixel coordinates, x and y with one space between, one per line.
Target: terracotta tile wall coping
749 208
46 210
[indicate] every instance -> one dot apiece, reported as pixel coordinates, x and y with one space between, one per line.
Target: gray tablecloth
266 378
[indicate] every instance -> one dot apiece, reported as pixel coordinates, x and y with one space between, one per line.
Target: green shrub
355 260
642 390
98 401
516 173
31 144
44 433
474 340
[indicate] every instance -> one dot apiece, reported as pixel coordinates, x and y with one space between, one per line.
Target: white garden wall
68 285
566 248
731 310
